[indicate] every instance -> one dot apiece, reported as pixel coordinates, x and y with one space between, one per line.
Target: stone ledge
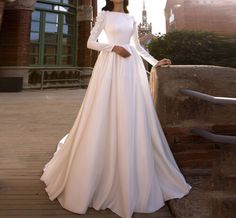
179 110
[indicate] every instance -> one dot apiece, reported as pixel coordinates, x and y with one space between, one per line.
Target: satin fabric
115 155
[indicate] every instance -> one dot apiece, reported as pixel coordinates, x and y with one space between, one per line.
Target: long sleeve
92 42
140 49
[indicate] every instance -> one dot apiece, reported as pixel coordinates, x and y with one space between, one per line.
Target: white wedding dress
115 155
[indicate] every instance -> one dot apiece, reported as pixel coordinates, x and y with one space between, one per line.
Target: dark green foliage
195 47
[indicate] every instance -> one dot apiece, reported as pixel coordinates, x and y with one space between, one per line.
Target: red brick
216 16
15 38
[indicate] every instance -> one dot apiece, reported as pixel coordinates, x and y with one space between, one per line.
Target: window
172 16
53 31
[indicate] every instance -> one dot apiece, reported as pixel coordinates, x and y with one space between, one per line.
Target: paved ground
31 124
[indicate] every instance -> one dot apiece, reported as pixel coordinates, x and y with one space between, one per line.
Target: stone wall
179 110
208 166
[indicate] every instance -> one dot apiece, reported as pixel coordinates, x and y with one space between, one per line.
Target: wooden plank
32 123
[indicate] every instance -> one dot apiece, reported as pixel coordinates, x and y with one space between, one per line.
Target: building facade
45 33
144 28
208 15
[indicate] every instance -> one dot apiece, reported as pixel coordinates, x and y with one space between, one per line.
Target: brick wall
86 57
15 38
1 11
191 15
84 54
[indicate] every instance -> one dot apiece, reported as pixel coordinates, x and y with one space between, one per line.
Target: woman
116 155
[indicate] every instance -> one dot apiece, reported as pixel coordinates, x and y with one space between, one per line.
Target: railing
214 137
72 75
210 98
217 100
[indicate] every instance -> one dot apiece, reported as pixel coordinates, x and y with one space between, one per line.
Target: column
2 5
84 19
15 33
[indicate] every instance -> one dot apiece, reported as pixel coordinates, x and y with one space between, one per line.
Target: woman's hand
121 51
162 62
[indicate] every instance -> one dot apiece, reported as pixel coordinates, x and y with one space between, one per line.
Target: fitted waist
125 45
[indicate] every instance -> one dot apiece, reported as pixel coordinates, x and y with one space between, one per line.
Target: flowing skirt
115 155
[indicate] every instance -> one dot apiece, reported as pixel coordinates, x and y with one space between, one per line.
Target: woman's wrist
114 48
157 64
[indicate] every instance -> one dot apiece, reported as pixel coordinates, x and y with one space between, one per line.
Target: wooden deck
31 124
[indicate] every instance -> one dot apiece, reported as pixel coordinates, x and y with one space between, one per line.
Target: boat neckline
117 12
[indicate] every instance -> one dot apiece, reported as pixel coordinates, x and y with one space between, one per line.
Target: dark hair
109 6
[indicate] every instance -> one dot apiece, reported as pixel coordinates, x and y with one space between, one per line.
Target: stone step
179 147
196 159
182 135
197 155
222 204
227 129
189 138
195 204
196 172
195 164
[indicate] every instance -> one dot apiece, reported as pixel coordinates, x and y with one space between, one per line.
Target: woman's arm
92 42
140 49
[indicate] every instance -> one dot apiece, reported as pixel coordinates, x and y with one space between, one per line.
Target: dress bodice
121 29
